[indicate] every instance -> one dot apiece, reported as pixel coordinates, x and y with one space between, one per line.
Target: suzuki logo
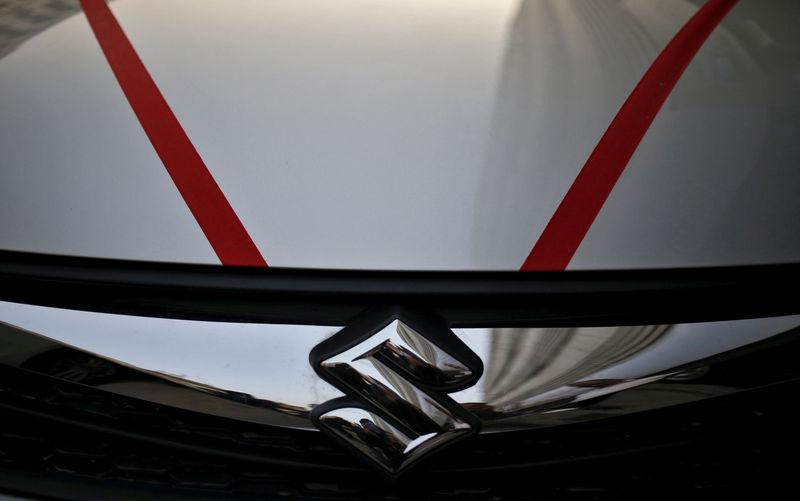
396 369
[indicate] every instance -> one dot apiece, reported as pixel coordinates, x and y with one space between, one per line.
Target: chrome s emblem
396 369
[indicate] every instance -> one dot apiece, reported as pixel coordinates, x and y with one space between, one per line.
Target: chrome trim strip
533 377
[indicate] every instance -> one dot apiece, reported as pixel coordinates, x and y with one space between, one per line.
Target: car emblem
396 368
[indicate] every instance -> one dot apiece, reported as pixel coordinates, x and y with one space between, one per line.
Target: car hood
377 134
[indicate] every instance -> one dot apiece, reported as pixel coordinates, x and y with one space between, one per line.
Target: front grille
73 442
61 439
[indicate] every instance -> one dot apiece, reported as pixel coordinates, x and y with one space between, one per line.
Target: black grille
69 441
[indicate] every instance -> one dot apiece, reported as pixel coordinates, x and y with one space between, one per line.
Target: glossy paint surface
405 135
260 372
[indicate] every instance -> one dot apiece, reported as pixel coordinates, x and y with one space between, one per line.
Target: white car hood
378 134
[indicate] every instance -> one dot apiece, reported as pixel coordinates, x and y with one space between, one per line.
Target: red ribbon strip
208 204
580 206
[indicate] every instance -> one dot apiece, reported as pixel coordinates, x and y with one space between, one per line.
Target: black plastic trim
335 297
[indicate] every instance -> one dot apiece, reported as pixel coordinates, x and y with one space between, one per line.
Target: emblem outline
365 326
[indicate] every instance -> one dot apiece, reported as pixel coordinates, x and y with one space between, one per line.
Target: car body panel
417 135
